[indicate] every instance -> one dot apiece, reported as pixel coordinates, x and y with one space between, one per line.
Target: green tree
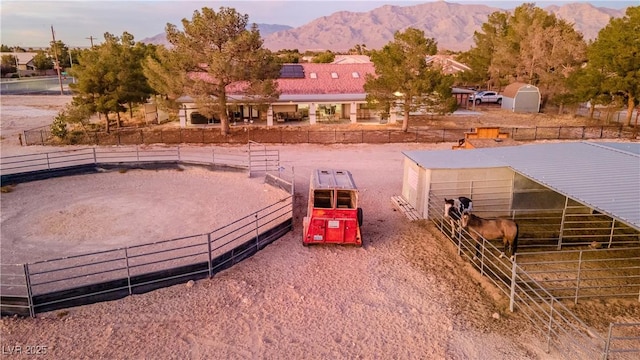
217 50
166 76
5 48
286 56
479 57
403 78
133 87
110 75
359 49
96 87
324 57
42 61
8 64
61 51
531 46
616 53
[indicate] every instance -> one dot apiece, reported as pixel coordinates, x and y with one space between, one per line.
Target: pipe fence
105 275
526 283
545 218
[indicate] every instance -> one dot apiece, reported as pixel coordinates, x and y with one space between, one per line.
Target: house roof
351 59
23 57
512 89
447 63
604 176
328 79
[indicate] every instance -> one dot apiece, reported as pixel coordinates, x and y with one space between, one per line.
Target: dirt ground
404 295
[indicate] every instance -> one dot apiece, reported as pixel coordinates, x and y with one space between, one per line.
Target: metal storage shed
521 98
602 176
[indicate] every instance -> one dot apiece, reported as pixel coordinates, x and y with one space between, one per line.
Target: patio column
393 115
270 116
353 112
312 114
183 116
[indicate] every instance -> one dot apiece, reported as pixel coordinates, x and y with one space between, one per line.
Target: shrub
59 125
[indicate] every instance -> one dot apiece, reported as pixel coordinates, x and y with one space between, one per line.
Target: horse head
464 220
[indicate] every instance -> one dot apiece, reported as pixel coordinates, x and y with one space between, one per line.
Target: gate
261 159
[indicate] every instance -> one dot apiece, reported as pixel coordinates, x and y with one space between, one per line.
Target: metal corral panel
603 176
332 179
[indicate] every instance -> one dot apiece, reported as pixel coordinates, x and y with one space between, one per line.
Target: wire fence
538 284
259 134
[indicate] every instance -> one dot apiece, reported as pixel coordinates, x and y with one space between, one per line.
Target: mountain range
451 25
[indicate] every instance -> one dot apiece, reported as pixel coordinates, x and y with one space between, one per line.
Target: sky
28 23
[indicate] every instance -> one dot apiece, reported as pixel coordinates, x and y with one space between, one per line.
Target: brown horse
492 229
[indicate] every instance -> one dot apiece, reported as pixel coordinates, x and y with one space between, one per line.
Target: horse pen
564 259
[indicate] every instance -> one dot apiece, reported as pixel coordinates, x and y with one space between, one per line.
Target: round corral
80 214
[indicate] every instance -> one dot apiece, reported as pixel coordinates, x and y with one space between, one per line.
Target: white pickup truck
486 97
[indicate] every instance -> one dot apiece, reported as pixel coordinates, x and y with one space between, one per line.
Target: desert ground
404 295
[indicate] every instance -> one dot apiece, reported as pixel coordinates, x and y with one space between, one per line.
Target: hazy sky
28 23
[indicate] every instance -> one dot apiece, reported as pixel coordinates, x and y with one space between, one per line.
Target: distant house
447 63
351 59
25 60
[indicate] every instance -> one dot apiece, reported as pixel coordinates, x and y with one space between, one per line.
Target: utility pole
55 55
91 39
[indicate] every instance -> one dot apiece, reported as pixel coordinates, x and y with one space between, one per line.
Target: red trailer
333 216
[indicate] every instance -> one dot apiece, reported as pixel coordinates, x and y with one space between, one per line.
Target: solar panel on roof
292 72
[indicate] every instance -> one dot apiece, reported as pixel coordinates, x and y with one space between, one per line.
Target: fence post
607 344
178 149
550 325
209 253
512 295
575 299
137 153
564 214
48 163
601 131
535 134
27 280
257 233
583 129
95 157
126 257
559 130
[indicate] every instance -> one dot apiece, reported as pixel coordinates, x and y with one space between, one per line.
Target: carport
521 98
573 182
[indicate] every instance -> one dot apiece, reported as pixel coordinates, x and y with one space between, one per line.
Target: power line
91 39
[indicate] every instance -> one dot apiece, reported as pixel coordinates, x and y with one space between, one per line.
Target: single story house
314 92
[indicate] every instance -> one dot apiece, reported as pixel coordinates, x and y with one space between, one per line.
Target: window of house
313 75
355 74
334 75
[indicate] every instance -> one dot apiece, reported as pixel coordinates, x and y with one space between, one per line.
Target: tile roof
319 79
325 83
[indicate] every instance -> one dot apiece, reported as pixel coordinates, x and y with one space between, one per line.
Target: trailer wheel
360 216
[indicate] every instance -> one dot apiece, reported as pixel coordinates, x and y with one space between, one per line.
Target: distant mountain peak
452 25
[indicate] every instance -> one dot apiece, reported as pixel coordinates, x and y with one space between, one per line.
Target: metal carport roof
604 176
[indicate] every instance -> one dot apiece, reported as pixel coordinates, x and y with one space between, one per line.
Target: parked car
486 97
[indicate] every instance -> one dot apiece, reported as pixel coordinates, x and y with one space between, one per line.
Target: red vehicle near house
333 216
